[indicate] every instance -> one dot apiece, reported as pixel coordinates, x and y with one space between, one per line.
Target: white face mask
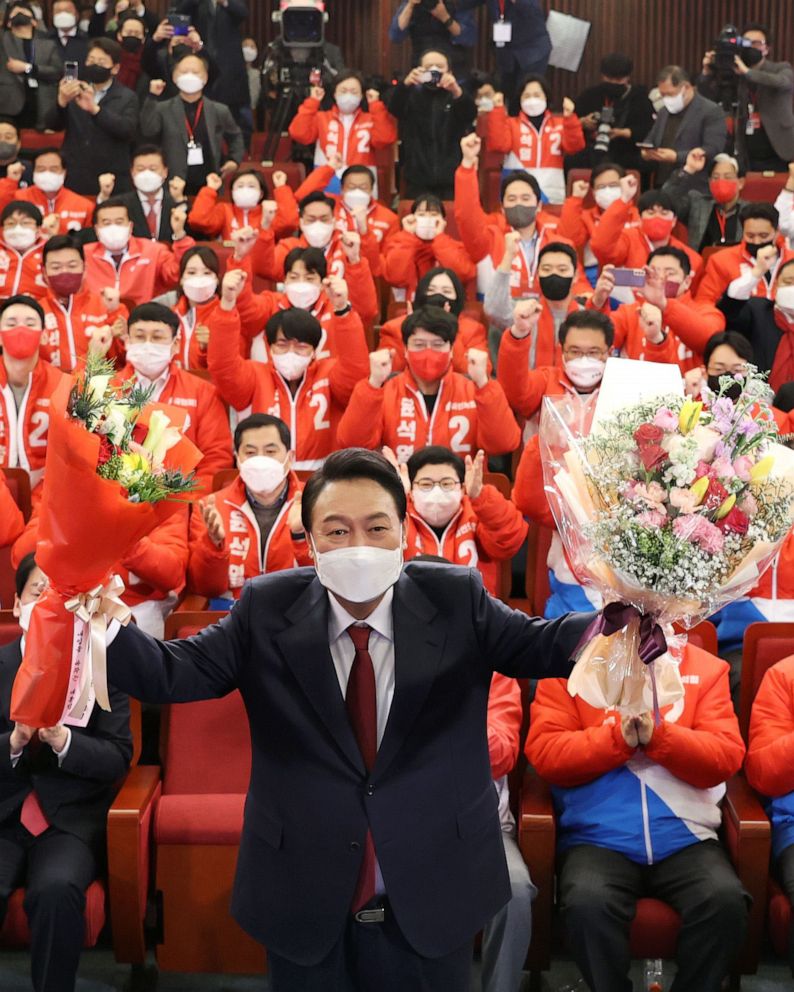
356 198
584 372
485 105
84 25
534 106
64 21
148 181
426 225
249 53
607 196
348 103
302 294
149 359
25 610
291 366
359 574
48 182
261 474
784 298
246 197
190 82
317 232
674 104
199 289
437 507
20 237
115 237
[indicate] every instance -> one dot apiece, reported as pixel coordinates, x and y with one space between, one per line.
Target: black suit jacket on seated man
430 800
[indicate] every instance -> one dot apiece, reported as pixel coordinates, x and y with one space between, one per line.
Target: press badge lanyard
502 29
195 156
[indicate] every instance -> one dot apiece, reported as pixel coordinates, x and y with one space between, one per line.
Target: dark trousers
374 957
598 894
784 869
55 869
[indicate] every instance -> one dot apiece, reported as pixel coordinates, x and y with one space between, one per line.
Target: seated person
251 206
536 139
438 287
452 514
578 222
151 202
307 392
358 210
429 403
637 816
75 318
139 268
751 267
770 770
199 282
12 523
26 384
422 245
711 218
483 235
21 242
253 525
55 792
613 243
10 147
49 191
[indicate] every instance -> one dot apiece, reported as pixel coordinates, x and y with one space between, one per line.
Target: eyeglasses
423 345
299 347
573 353
445 485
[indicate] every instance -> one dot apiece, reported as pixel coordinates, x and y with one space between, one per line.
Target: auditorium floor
100 973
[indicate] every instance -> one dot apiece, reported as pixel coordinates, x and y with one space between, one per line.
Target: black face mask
131 43
733 392
613 91
8 150
754 249
95 74
555 288
20 20
520 216
439 300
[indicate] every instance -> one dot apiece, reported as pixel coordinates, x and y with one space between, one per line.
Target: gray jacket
692 206
48 69
165 123
702 126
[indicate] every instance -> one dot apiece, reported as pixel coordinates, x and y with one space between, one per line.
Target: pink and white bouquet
671 508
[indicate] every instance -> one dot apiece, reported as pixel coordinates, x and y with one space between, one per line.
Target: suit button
370 789
354 845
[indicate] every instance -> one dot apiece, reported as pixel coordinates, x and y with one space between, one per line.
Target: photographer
430 23
762 91
631 112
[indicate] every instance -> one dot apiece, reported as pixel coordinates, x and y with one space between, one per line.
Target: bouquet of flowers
117 466
671 509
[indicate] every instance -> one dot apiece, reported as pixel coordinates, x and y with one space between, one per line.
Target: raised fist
380 367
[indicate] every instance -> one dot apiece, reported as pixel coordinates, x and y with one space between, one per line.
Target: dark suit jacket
702 126
101 143
48 70
429 800
164 123
77 796
692 207
140 229
75 49
219 28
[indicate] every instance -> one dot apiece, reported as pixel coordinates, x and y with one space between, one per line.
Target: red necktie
151 217
361 703
32 816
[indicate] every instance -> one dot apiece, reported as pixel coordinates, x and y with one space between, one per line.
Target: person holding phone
29 68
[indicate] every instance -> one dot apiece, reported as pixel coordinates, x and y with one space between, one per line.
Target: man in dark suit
71 43
56 786
29 69
371 850
100 117
218 22
150 205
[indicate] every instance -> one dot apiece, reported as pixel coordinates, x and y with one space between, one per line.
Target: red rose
716 494
652 456
648 434
139 432
106 450
735 522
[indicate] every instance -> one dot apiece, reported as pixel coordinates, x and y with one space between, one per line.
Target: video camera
302 23
728 45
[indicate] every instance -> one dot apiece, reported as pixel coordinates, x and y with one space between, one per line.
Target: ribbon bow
95 608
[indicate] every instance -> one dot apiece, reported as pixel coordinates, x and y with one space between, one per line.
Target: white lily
160 439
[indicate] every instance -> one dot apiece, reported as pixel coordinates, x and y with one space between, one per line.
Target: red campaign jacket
727 264
12 522
148 269
214 571
769 767
777 582
542 348
23 433
74 211
313 413
464 418
20 272
529 494
216 218
689 324
483 237
208 423
471 334
483 533
69 328
504 724
615 243
545 148
157 565
369 130
578 223
407 258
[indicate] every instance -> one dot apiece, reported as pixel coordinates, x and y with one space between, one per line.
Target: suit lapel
418 648
304 646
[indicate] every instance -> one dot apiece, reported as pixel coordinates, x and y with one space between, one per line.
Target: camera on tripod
302 23
606 120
